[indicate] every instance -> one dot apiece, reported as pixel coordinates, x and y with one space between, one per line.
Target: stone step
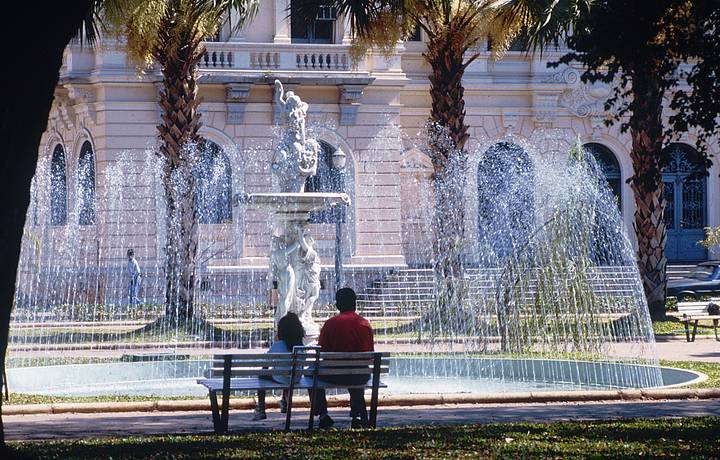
415 288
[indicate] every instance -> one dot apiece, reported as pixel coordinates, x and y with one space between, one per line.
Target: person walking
133 269
345 332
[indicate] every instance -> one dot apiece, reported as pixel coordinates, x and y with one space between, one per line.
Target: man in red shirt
346 332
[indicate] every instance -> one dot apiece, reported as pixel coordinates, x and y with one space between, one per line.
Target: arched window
34 201
213 177
58 187
609 166
86 185
505 199
327 179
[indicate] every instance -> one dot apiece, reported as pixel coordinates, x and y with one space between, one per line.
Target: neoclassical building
96 149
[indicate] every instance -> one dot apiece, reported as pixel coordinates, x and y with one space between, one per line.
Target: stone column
282 23
346 31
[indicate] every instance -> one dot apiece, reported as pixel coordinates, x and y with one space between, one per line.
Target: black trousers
357 395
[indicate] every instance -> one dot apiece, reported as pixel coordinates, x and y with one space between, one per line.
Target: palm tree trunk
30 85
647 185
447 135
179 52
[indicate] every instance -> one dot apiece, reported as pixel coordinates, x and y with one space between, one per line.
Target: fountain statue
294 263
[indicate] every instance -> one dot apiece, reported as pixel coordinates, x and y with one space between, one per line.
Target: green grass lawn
672 326
679 438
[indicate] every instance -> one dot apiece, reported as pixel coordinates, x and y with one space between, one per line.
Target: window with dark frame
327 179
213 182
610 167
416 35
86 184
321 30
58 187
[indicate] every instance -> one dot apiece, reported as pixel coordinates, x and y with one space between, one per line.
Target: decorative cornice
510 121
350 96
414 160
544 109
236 98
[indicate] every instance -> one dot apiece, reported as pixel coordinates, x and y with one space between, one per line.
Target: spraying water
548 290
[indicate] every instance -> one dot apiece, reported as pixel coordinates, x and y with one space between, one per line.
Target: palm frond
543 22
90 28
177 23
246 10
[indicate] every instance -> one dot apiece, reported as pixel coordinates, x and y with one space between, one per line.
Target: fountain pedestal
294 263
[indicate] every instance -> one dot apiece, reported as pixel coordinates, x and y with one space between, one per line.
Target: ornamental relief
580 99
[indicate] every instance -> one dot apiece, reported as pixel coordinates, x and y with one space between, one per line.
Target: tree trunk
447 135
647 138
29 79
181 244
178 53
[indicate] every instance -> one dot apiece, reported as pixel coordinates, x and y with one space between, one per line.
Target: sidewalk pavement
677 348
87 426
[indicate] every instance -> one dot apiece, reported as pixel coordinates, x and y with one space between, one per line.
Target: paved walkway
69 426
677 348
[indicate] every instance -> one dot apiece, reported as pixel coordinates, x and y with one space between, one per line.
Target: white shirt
133 268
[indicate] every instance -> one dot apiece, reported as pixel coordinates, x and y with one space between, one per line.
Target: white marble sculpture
307 268
294 263
282 267
295 158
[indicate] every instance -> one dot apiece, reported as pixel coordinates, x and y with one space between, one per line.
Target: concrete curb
385 401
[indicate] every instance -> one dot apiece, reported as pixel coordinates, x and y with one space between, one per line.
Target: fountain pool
548 272
408 375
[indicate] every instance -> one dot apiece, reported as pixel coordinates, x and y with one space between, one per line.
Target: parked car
704 280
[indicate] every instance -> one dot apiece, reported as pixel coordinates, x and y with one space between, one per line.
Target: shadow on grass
158 330
685 438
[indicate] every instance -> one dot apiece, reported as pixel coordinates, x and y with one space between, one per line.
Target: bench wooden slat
305 383
334 371
699 317
350 362
259 362
242 384
246 356
307 371
349 355
250 372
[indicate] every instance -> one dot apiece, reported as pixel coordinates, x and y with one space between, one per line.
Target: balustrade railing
262 56
217 59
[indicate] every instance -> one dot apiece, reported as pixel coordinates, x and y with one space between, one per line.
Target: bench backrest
695 308
305 361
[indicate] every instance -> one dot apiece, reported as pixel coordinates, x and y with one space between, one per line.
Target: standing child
290 334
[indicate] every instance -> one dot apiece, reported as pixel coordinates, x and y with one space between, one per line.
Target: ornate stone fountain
294 263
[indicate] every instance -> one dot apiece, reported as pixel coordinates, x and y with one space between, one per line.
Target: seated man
345 332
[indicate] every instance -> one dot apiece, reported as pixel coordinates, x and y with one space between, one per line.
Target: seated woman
290 334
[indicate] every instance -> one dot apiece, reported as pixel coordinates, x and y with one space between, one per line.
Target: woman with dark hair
290 334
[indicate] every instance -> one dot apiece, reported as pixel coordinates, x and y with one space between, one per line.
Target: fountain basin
294 203
408 375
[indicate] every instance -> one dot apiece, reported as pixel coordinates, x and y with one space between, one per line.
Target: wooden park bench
303 369
694 312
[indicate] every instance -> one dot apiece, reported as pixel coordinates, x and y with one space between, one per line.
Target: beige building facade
103 120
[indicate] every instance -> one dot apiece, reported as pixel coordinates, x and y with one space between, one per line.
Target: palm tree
454 30
639 47
170 33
